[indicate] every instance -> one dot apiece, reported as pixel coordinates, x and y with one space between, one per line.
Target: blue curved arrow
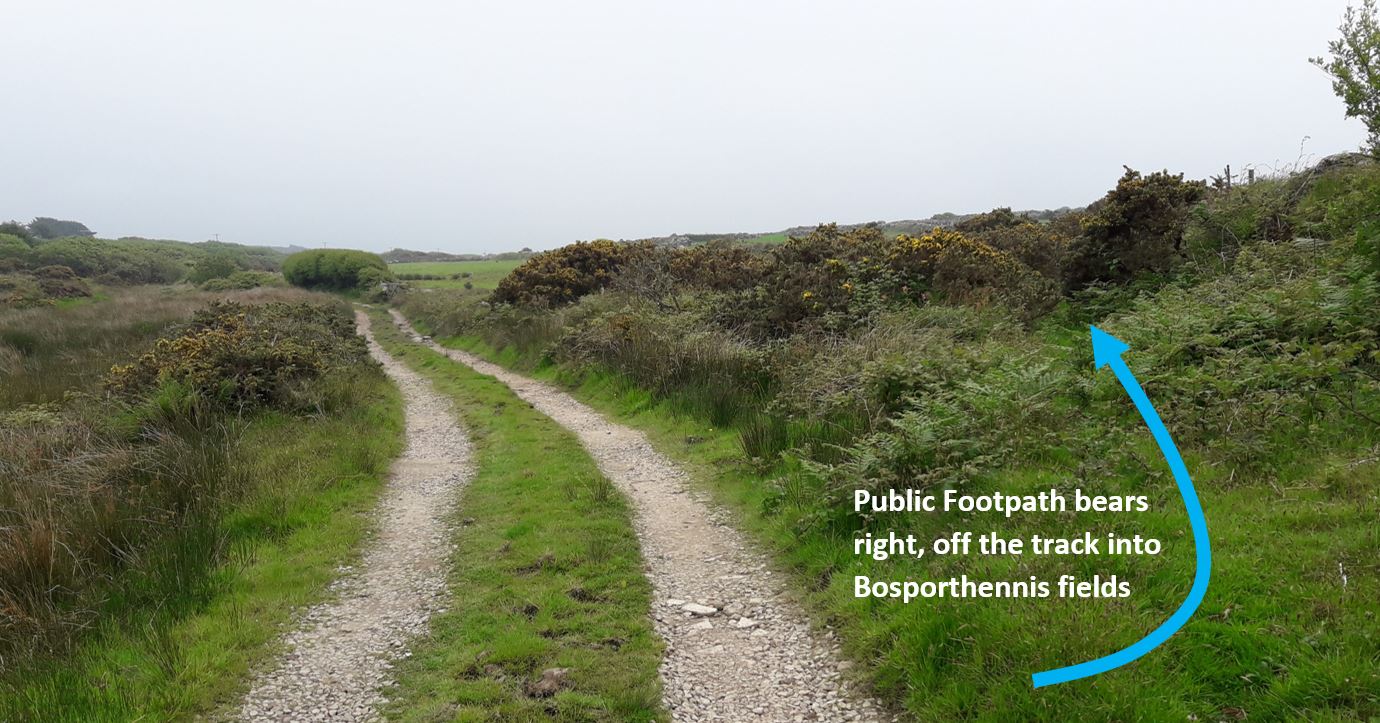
1107 351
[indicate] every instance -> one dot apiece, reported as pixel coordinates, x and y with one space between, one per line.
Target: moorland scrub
958 359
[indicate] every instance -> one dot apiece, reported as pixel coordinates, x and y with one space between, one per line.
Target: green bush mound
336 270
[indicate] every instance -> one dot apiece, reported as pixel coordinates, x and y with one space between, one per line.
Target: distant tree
1355 67
50 228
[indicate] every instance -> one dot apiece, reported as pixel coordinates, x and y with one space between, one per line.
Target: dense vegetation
844 358
36 269
134 499
336 270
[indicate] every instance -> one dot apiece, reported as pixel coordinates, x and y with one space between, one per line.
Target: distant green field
483 274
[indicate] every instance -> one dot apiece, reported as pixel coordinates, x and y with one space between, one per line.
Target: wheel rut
737 647
339 657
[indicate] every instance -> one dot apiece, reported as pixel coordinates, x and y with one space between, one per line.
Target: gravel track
340 655
737 648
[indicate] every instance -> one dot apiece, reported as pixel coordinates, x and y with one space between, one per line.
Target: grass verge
316 480
548 574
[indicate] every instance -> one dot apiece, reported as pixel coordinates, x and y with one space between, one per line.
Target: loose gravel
737 648
340 656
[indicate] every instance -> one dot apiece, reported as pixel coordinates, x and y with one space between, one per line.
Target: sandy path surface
342 652
737 648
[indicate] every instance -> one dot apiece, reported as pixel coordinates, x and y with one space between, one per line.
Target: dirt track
343 649
737 648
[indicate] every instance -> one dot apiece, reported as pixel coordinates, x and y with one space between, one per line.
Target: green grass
483 274
1278 636
547 573
316 481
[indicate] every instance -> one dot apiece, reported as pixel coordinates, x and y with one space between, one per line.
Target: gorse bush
1136 228
559 277
665 275
969 271
233 356
997 218
822 280
1044 247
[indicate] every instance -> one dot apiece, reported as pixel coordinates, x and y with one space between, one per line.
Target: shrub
1043 247
662 275
968 271
40 287
234 356
212 266
13 247
335 269
60 282
561 276
243 280
114 262
1137 227
20 291
996 218
717 266
822 280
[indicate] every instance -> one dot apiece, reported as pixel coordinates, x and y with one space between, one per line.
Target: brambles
561 276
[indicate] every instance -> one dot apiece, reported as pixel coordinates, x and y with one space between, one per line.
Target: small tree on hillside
1355 67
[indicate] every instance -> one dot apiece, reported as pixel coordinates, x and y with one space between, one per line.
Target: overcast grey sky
468 126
